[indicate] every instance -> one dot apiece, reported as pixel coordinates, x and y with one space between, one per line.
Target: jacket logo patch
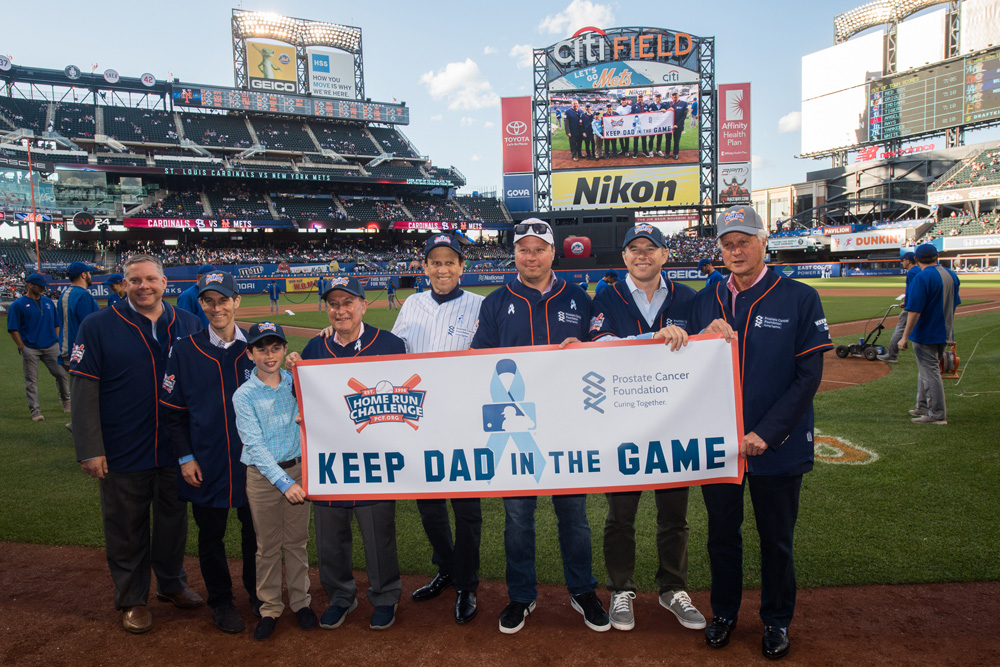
77 354
510 311
168 383
569 318
822 325
763 322
597 322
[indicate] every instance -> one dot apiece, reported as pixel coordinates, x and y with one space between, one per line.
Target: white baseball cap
534 227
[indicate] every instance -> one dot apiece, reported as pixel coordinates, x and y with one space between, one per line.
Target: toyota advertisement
515 119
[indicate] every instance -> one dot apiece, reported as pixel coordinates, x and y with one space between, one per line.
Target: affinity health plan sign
617 416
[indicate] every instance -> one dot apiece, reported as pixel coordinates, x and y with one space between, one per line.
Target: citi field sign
622 57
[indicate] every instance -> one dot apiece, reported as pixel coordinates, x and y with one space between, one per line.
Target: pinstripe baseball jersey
428 326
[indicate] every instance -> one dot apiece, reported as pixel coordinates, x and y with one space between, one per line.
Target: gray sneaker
679 602
622 617
927 419
886 358
917 413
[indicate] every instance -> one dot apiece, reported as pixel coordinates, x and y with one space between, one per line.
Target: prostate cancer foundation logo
385 402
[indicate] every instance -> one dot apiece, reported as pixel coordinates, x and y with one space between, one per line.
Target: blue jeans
574 544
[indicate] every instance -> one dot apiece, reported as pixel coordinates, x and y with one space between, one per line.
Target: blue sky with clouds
450 61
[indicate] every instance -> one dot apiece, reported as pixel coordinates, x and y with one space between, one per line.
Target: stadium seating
217 130
343 138
341 169
140 125
75 121
440 209
238 202
67 158
963 225
276 135
131 160
390 141
14 253
446 174
483 209
176 204
980 169
369 209
306 208
396 170
28 114
67 255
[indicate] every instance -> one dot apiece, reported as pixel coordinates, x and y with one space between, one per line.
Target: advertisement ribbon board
618 416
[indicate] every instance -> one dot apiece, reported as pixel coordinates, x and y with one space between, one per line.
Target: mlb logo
321 63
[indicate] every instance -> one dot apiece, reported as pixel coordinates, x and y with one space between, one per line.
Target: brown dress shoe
182 599
137 619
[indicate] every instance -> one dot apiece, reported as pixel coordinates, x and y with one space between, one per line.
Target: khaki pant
281 526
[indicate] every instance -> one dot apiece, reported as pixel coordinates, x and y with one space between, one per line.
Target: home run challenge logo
385 402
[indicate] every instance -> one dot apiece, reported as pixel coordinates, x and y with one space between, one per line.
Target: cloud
578 14
437 116
790 122
488 50
463 84
466 121
474 158
488 123
523 54
757 162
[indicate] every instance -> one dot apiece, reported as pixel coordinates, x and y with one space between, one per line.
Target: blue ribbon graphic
511 395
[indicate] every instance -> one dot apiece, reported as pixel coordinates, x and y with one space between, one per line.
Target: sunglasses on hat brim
532 228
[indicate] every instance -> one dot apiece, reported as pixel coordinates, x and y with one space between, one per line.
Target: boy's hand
295 494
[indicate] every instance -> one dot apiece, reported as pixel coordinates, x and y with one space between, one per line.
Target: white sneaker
679 602
622 615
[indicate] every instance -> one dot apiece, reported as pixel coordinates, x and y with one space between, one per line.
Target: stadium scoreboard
234 99
935 98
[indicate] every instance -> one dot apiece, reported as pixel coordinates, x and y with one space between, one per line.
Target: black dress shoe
775 643
433 589
718 630
466 607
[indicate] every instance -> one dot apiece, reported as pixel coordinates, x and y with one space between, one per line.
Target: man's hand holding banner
617 416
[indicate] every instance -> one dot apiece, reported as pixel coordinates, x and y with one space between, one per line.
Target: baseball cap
37 279
76 268
703 263
925 251
443 240
205 268
644 231
611 274
218 281
349 285
114 279
738 219
534 227
909 256
262 330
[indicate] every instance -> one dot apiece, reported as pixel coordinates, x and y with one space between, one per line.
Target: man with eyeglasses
537 308
782 335
647 305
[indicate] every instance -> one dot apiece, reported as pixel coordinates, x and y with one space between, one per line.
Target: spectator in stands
33 323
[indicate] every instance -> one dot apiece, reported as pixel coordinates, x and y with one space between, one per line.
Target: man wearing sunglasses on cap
537 308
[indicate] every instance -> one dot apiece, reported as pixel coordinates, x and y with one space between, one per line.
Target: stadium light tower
300 33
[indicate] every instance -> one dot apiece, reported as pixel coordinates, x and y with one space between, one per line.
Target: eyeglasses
532 228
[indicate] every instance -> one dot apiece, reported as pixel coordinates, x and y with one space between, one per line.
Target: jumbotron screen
935 98
247 100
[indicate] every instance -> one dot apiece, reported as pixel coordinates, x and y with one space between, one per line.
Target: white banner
617 416
639 124
331 73
874 240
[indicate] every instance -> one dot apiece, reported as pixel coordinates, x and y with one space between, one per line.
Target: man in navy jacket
576 127
119 430
782 335
203 373
537 308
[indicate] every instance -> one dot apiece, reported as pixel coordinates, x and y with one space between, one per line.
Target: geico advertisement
626 188
271 67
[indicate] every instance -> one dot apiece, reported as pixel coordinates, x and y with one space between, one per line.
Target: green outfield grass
925 511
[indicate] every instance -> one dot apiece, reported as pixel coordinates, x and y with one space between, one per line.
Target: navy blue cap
611 274
349 285
644 231
703 263
37 279
909 256
205 268
217 281
925 251
262 330
114 279
443 240
77 268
